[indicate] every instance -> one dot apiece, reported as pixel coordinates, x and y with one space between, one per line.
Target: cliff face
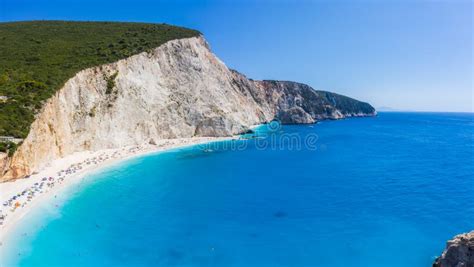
299 103
459 252
179 89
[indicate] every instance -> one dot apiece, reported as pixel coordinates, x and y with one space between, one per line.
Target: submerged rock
280 214
459 252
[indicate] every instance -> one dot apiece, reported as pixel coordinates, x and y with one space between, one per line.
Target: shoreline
19 197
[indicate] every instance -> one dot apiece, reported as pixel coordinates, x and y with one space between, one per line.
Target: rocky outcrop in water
459 252
180 89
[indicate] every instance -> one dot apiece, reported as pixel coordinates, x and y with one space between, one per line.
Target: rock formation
459 252
293 102
179 89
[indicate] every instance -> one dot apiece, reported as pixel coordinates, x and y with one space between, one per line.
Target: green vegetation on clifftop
38 57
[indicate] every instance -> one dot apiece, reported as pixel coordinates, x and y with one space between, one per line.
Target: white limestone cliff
180 89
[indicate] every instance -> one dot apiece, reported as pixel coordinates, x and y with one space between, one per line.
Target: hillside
38 57
85 86
300 103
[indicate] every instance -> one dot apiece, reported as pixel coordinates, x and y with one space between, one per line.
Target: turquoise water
384 191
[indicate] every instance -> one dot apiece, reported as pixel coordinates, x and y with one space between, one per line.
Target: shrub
31 87
3 147
110 82
9 147
38 57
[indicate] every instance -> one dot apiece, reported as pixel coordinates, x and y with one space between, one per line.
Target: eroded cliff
179 89
459 252
294 102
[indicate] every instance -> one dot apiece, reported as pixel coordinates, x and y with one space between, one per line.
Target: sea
381 191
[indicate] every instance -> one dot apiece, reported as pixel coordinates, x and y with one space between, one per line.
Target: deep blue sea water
370 192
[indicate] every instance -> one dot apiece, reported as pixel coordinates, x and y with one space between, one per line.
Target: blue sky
405 55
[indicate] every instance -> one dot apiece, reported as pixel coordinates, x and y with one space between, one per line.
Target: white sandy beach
21 196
